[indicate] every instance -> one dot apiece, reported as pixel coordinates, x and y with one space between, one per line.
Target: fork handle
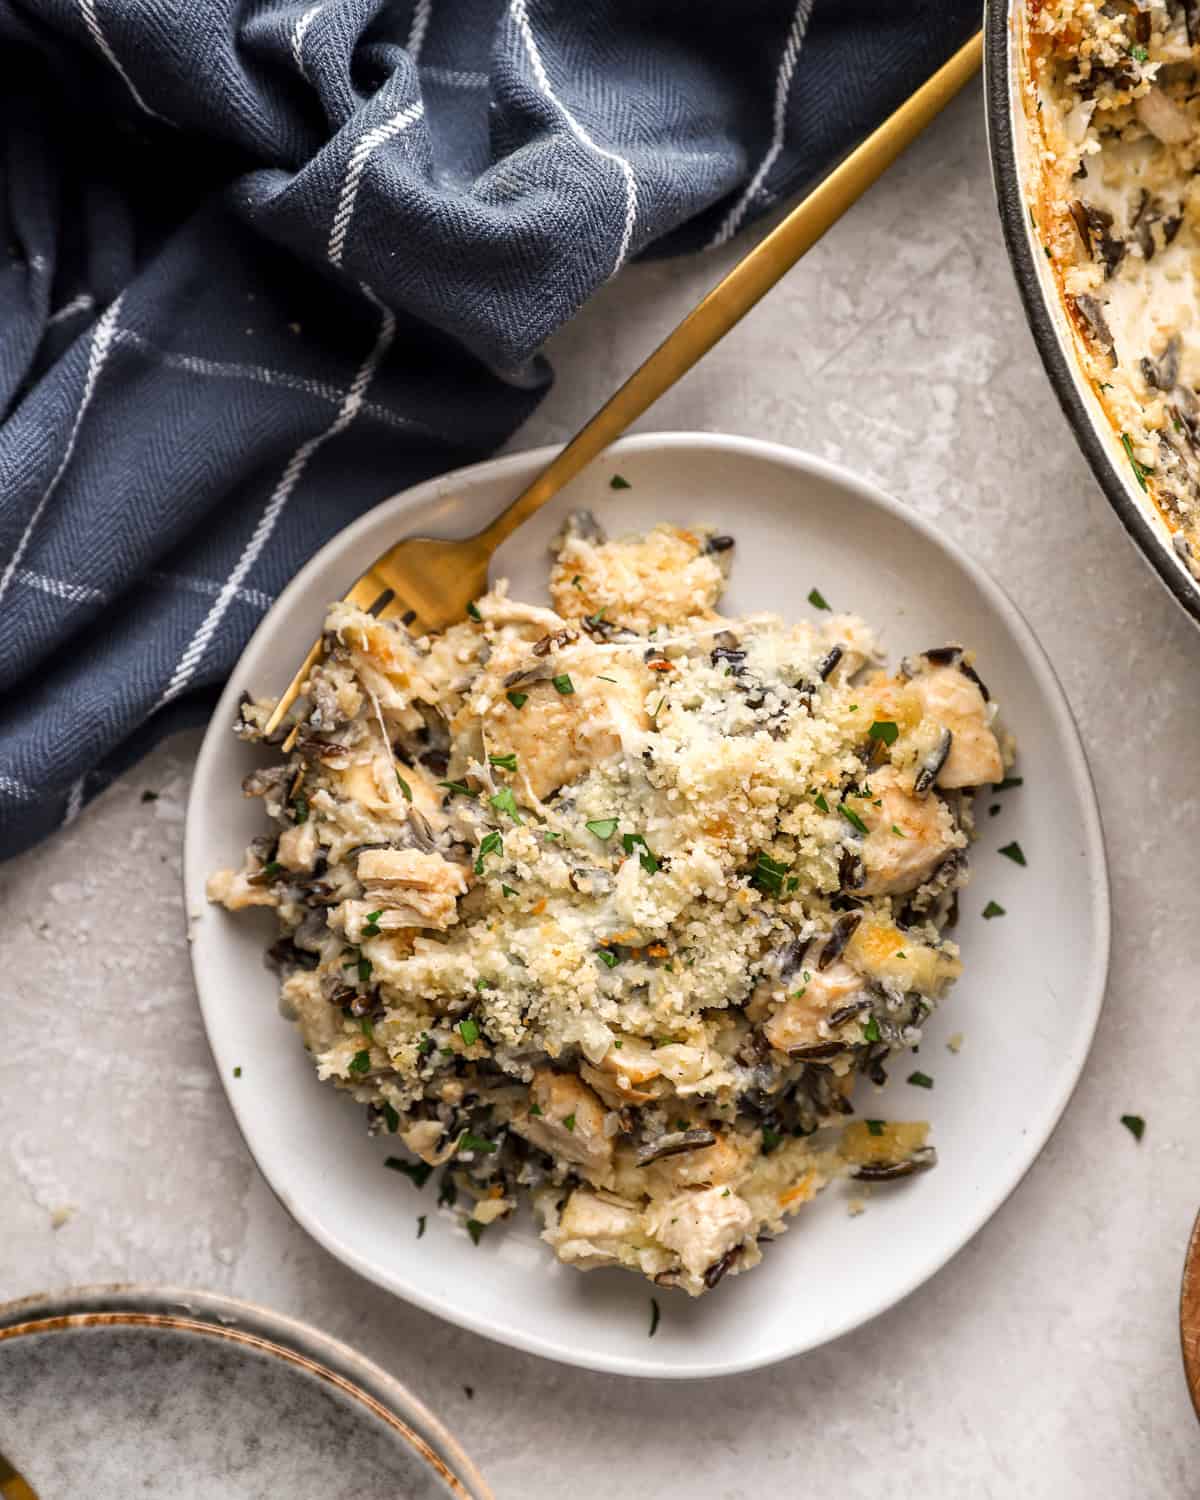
753 276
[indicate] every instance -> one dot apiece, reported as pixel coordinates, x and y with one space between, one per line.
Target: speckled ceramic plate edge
518 468
208 1315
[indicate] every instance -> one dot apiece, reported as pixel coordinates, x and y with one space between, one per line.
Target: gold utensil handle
753 276
12 1485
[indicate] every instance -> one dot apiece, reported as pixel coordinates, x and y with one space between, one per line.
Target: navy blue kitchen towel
265 262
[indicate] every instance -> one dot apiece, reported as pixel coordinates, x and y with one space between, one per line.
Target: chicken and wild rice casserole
612 904
1112 99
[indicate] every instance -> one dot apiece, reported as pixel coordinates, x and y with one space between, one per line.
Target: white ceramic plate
1027 1005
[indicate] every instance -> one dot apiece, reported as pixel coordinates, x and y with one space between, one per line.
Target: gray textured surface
1044 1360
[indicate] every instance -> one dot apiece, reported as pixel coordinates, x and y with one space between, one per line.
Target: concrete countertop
1043 1361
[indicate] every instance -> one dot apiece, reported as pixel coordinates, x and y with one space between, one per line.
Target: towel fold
265 262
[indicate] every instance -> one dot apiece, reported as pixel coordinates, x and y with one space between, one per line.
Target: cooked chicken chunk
908 837
953 701
815 996
566 1119
422 889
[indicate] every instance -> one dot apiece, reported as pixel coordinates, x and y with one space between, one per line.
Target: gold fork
14 1486
430 582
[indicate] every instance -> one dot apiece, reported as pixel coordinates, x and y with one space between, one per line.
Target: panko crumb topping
1114 113
611 905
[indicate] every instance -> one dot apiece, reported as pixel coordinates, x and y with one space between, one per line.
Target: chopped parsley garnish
603 828
1135 1125
655 1317
874 1127
852 817
371 923
630 841
300 810
458 789
619 482
1139 469
391 1117
469 1031
564 684
419 1171
598 617
871 1030
364 968
792 882
817 599
569 1121
605 957
507 890
885 730
550 833
1014 852
420 1225
473 611
820 802
469 1142
484 984
899 832
237 1072
505 762
994 909
920 1080
475 1229
360 1062
405 789
272 867
149 796
770 1139
1139 53
575 583
367 1027
505 802
425 1046
1003 786
490 843
518 700
768 874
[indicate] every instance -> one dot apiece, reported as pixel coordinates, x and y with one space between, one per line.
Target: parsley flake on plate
1014 852
504 762
469 1031
655 1317
603 828
920 1080
518 700
993 909
1135 1125
884 730
619 482
360 1062
817 599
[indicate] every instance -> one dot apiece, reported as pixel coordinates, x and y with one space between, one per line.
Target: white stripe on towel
87 9
102 337
520 15
420 25
300 31
355 167
351 405
783 84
